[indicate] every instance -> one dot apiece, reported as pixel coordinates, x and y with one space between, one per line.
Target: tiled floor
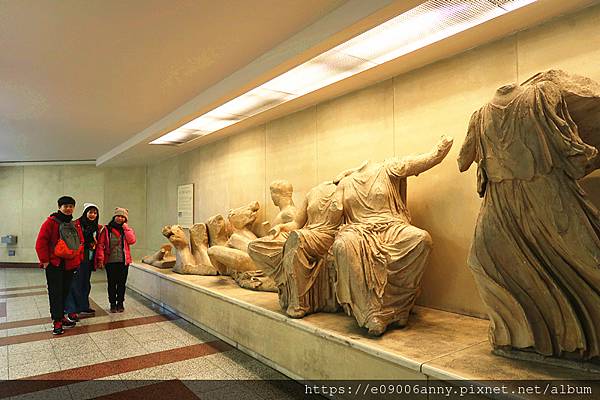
139 353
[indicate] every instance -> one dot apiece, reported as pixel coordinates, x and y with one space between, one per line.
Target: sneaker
57 328
120 307
113 308
72 317
88 311
67 323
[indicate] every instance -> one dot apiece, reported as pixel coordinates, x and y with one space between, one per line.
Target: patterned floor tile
37 368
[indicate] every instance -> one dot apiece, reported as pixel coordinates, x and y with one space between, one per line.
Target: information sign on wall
185 205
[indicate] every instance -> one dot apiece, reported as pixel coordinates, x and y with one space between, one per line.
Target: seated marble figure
372 265
378 255
295 254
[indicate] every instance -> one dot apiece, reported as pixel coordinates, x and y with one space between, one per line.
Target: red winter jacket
103 247
47 240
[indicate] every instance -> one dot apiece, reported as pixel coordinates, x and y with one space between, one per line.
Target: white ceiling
99 79
77 78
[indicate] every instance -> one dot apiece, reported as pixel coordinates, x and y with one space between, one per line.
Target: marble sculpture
295 253
161 259
536 251
378 255
191 252
231 257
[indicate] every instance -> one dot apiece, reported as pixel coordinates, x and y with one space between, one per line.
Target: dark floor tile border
166 390
102 370
80 330
25 294
39 321
11 289
18 265
136 363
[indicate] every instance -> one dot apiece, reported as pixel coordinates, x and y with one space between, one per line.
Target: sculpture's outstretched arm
414 165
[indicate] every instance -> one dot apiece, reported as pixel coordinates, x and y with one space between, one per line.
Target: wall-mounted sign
185 205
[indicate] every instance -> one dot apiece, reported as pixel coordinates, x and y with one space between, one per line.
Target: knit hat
89 205
121 211
65 200
86 208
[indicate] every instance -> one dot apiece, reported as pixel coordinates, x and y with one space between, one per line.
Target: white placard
185 205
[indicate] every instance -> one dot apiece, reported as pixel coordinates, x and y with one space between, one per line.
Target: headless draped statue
536 251
379 256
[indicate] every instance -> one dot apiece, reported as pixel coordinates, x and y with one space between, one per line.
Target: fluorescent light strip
421 26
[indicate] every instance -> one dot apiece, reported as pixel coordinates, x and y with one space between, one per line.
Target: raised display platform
436 345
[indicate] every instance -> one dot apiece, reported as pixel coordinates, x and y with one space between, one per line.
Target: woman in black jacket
78 299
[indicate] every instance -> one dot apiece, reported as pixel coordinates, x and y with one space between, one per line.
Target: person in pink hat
113 254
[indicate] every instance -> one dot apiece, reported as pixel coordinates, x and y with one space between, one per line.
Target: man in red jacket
58 265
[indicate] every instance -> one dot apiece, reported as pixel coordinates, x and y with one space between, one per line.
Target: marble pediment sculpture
231 258
295 254
281 195
190 250
535 254
163 258
378 255
219 230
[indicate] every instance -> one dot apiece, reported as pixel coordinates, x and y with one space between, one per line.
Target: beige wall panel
85 183
571 43
11 203
353 128
126 187
187 166
24 255
161 201
211 175
247 164
435 100
291 145
42 186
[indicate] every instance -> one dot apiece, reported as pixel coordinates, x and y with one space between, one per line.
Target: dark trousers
78 298
59 283
116 275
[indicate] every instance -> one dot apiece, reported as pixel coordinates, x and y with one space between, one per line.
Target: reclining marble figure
191 253
219 230
536 250
161 259
231 258
379 256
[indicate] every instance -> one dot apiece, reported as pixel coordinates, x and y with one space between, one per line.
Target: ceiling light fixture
421 26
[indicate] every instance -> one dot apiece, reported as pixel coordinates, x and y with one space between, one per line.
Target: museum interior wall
396 117
28 195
